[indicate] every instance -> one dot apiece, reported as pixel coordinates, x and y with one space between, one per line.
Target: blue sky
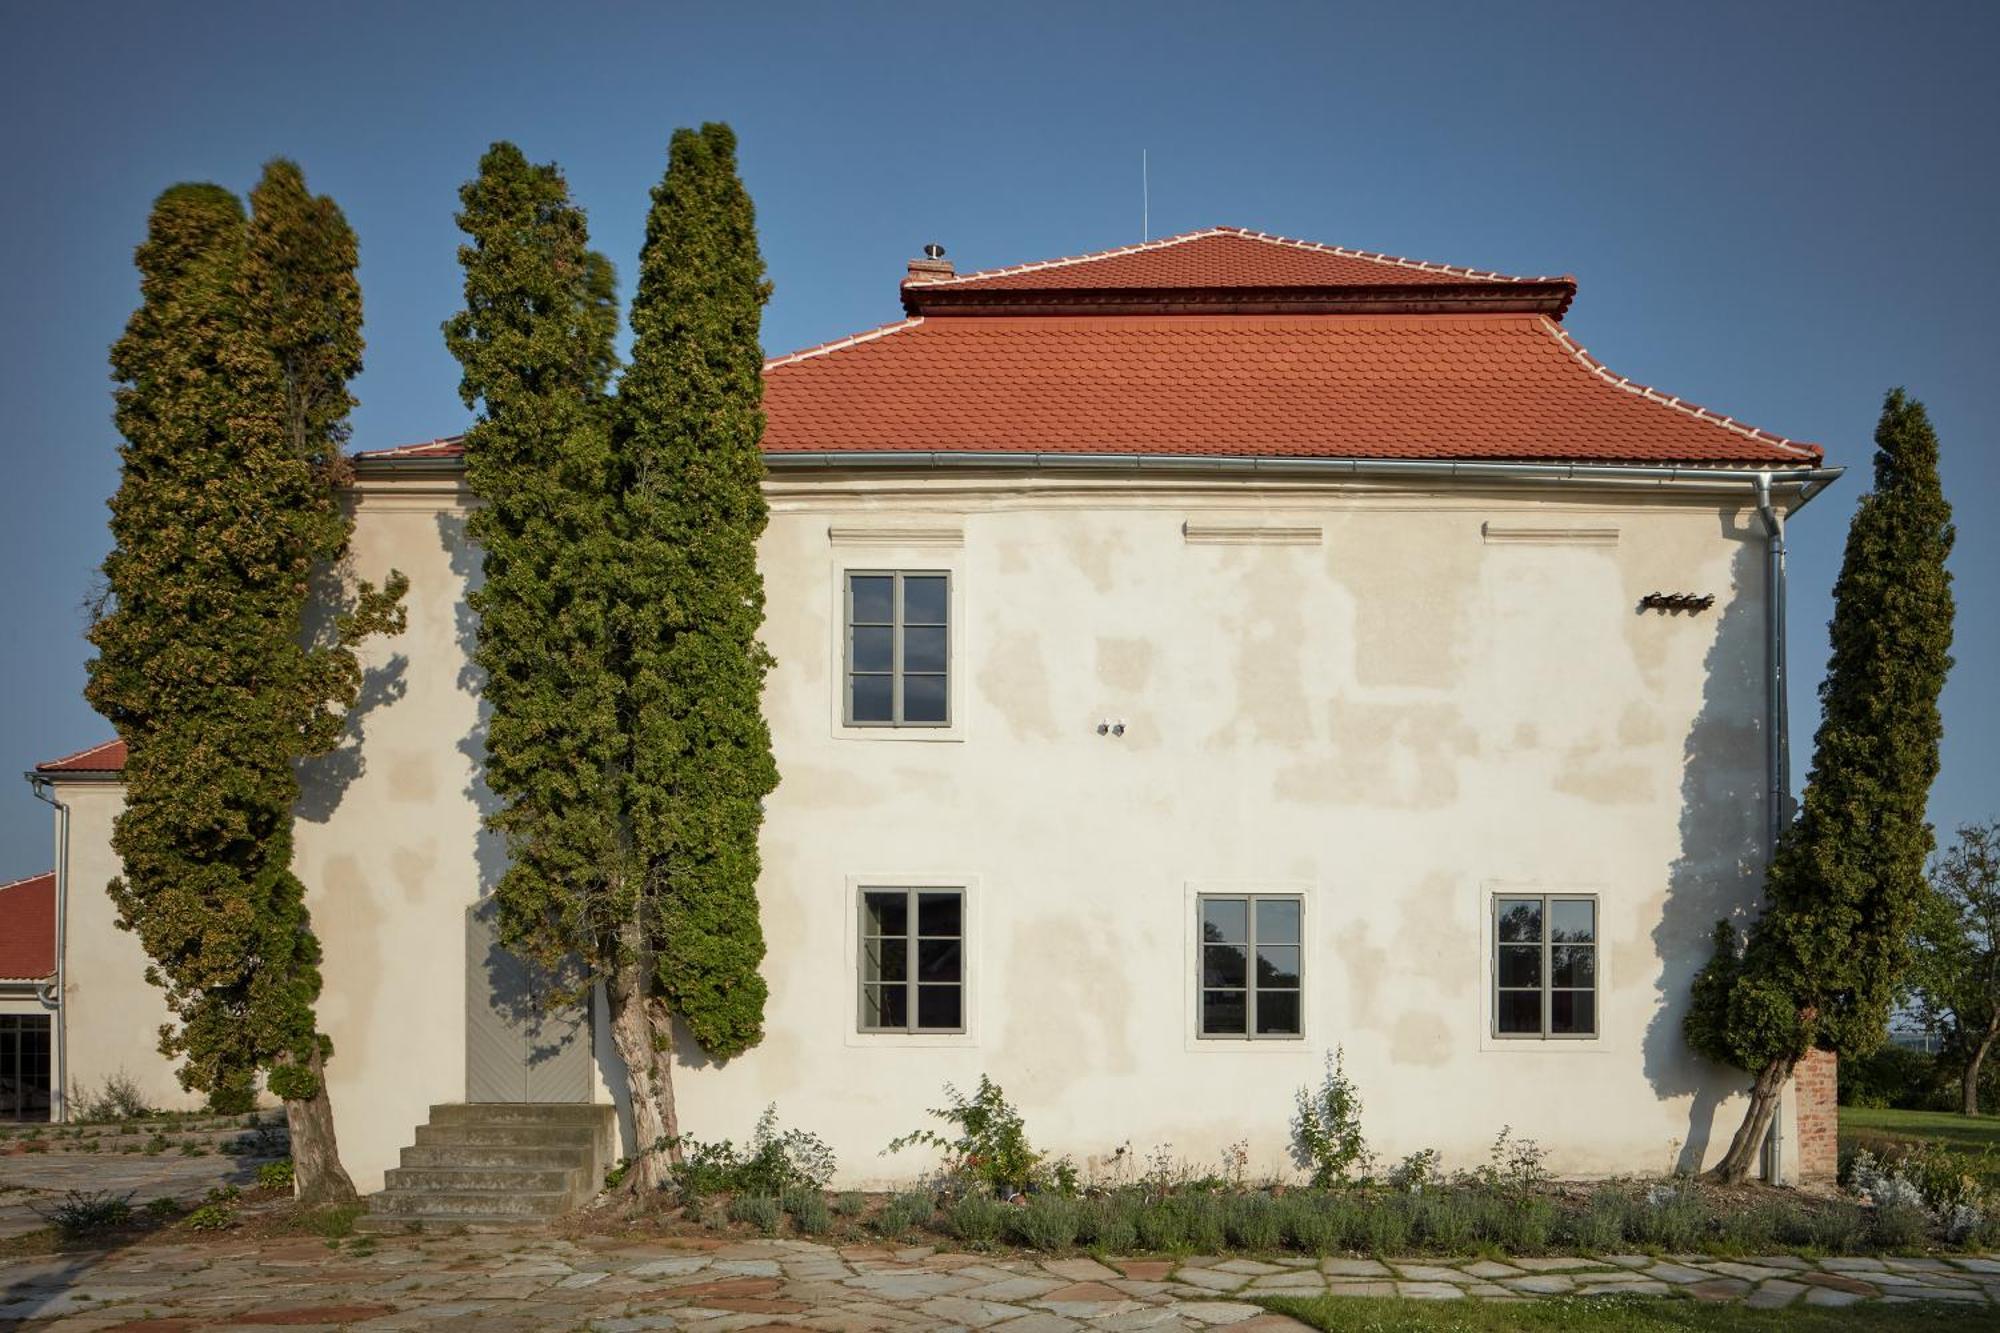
1778 210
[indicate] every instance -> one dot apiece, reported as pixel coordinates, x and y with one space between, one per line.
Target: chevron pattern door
513 1052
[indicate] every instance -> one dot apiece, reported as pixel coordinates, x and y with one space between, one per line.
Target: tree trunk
1735 1165
317 1175
642 1030
1969 1093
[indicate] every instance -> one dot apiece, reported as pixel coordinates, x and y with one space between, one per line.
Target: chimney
933 265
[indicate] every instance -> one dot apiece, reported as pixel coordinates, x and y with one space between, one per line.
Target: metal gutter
59 1090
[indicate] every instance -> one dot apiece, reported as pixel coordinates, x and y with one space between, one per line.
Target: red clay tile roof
108 757
28 928
1497 387
1227 264
1229 343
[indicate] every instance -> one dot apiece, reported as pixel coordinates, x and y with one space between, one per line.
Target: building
27 973
1192 657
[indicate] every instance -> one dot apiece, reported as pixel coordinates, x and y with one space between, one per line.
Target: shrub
850 1203
776 1160
1326 1127
1416 1172
1110 1224
161 1209
1204 1221
758 1210
79 1215
1384 1227
1753 1230
1899 1226
1446 1220
1674 1217
155 1145
1308 1223
990 1144
1162 1223
1893 1076
1521 1226
211 1217
1514 1167
905 1213
1600 1226
1047 1222
233 1097
118 1098
977 1219
333 1221
1252 1223
809 1211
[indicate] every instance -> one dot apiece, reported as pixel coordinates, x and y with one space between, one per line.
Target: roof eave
1550 297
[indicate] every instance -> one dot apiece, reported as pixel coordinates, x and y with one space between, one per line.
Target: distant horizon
1768 212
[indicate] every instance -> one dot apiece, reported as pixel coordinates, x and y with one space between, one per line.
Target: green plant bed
1625 1315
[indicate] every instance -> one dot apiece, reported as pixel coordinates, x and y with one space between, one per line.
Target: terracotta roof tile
28 928
109 757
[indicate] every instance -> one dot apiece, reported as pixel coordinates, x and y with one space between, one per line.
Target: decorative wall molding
1547 534
1209 532
896 535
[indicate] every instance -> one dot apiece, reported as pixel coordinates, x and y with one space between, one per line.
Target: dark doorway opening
24 1067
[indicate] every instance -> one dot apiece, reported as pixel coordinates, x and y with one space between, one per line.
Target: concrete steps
496 1163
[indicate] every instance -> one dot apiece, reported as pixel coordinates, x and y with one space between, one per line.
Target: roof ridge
1581 355
1243 233
400 449
84 753
835 345
27 879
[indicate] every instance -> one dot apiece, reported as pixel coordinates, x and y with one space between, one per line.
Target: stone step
457 1205
519 1113
458 1179
498 1155
510 1136
383 1224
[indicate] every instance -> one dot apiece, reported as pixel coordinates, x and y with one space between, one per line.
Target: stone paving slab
498 1283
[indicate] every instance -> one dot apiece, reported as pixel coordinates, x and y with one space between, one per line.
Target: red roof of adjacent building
28 928
1230 343
108 757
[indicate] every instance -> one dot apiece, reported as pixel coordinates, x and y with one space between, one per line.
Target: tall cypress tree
690 421
233 404
535 343
1822 963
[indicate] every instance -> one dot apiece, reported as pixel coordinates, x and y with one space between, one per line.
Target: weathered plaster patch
1421 1038
1399 755
1015 684
1125 664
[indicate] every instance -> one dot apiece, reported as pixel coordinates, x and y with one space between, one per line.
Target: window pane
1278 965
1573 1011
872 647
924 600
1278 1013
923 699
923 649
937 960
1519 1011
1572 921
1572 965
885 913
871 698
885 960
885 1006
870 599
1520 965
938 914
938 1007
1225 920
1520 920
1223 964
1277 921
1223 1013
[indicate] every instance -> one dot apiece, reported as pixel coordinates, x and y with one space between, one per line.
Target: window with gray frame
1544 965
1250 959
913 960
898 649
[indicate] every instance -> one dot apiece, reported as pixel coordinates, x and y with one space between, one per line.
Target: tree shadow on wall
324 779
1719 872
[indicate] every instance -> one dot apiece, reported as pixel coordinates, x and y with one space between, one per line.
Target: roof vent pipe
931 267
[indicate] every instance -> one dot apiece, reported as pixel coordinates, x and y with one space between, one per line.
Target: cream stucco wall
1390 701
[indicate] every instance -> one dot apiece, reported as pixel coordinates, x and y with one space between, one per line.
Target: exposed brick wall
1817 1080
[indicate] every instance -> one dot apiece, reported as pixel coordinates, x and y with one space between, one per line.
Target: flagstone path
498 1283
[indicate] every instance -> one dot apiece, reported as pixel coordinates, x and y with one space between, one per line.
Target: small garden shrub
1307 1224
118 1098
1447 1220
1253 1224
1674 1217
1163 1225
850 1203
1416 1172
1206 1225
1111 1224
212 1217
1600 1227
1520 1226
1326 1127
977 1219
334 1222
79 1215
758 1210
776 1160
809 1211
989 1144
162 1209
1899 1226
1047 1222
905 1213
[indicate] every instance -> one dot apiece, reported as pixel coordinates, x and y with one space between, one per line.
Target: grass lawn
1632 1314
1970 1132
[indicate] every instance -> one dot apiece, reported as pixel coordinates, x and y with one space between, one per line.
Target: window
898 649
24 1067
1544 966
912 960
1250 951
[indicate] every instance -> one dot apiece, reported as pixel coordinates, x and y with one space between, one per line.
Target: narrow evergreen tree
1822 963
535 342
1955 978
690 420
233 404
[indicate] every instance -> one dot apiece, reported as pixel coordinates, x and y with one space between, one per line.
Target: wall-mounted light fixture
1674 603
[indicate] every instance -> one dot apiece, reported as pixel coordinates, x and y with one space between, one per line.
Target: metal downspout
1778 742
57 1001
